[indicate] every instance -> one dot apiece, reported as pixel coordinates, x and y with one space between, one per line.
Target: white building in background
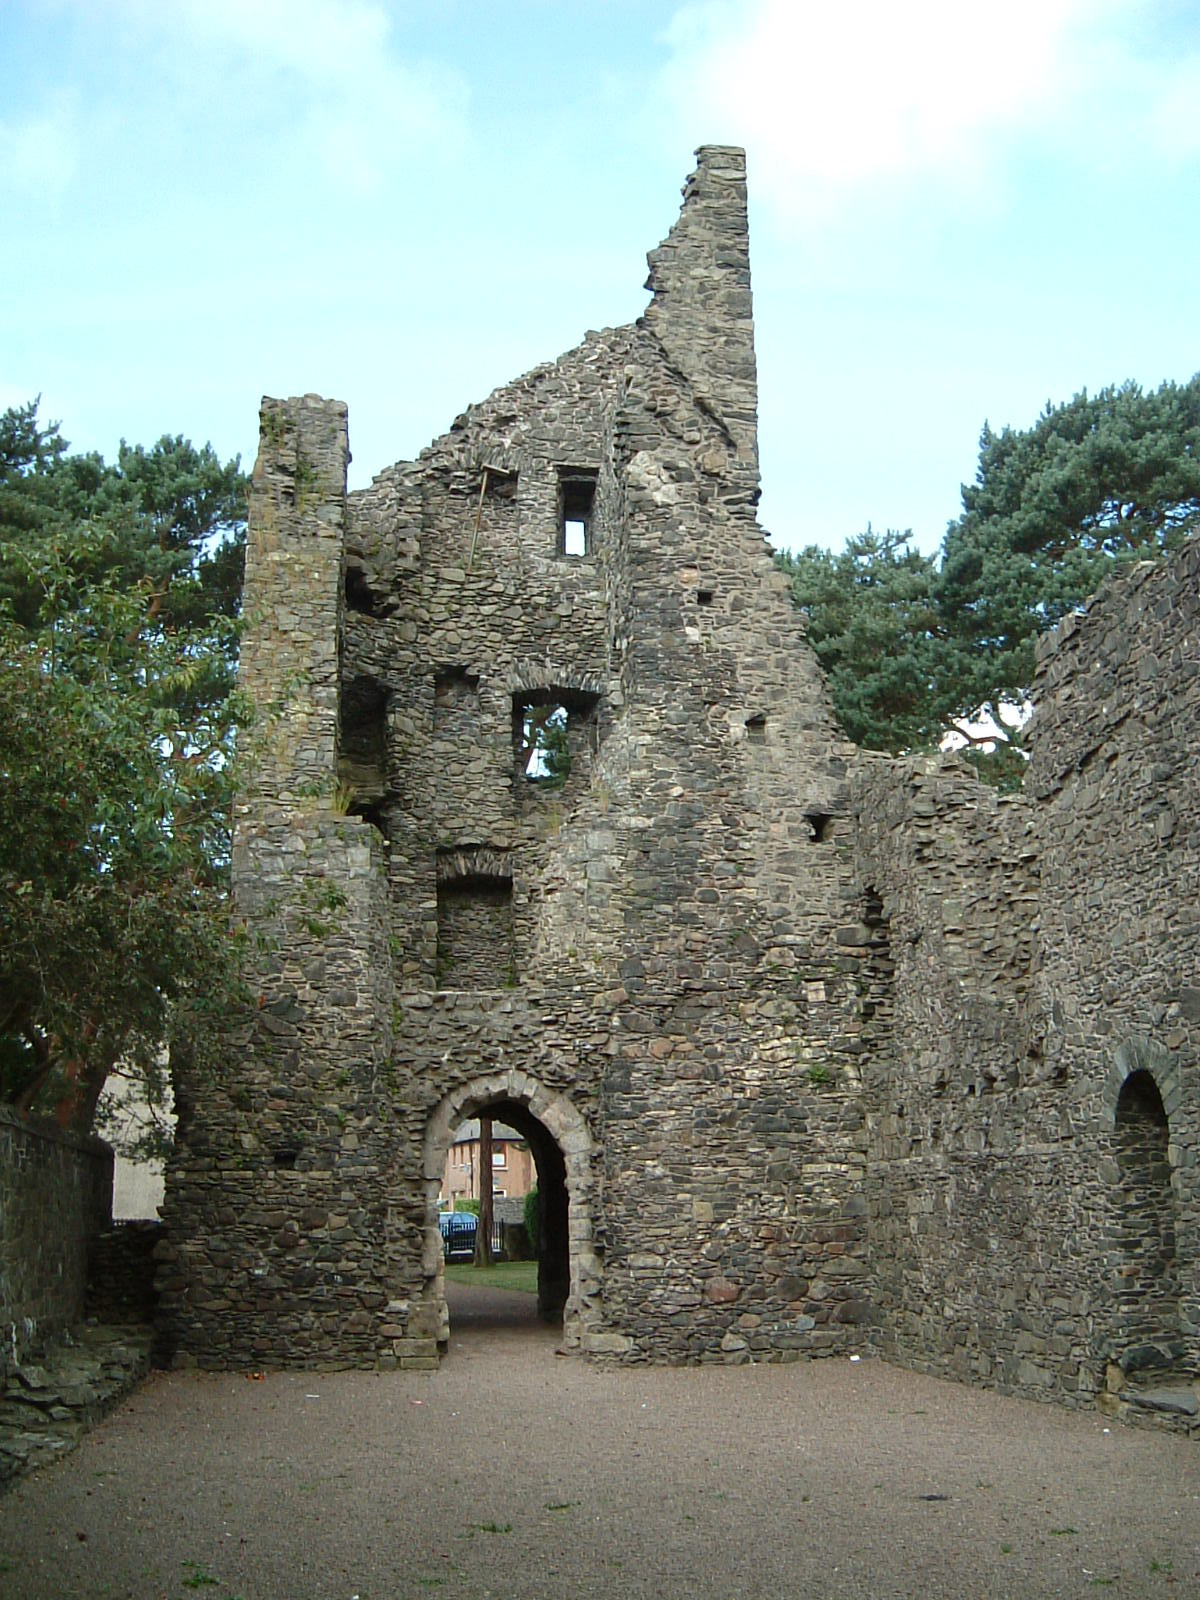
125 1120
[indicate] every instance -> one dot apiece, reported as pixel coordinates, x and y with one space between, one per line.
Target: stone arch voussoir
1140 1054
551 677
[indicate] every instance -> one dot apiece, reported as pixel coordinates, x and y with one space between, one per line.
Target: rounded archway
563 1150
1147 1292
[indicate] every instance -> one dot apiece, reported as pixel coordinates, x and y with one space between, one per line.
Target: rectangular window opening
576 499
543 749
756 727
362 767
475 933
549 730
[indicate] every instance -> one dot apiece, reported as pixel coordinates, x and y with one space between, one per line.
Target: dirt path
514 1472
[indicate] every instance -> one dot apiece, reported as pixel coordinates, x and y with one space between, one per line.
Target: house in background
513 1170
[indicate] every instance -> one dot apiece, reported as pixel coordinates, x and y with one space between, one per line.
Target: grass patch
520 1275
198 1576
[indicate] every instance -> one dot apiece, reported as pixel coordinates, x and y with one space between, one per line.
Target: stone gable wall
671 975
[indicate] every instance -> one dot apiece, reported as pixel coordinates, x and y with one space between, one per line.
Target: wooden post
483 1233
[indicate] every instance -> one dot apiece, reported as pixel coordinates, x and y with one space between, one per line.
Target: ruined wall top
289 657
702 312
1128 657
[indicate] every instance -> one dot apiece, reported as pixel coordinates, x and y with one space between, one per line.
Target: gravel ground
514 1472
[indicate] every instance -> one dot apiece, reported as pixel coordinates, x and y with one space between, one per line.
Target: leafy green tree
531 1214
1103 479
873 623
117 709
915 647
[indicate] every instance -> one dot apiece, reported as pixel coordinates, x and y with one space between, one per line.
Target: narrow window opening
756 728
819 822
544 752
284 1156
704 597
576 499
362 749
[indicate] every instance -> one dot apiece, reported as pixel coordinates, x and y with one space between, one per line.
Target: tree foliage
872 621
119 588
1103 479
915 646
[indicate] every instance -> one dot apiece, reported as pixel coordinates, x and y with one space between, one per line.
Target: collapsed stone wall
1116 779
55 1197
1026 1231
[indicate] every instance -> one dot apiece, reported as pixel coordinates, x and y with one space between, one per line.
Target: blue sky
957 213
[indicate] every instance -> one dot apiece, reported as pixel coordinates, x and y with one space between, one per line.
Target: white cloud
350 102
835 99
1174 120
39 152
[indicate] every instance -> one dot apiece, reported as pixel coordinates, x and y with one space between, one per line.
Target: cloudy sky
958 212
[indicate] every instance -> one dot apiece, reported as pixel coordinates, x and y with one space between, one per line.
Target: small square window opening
819 822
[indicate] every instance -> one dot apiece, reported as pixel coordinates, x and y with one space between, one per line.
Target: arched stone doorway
563 1150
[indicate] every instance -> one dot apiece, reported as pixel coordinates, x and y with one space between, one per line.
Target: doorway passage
568 1287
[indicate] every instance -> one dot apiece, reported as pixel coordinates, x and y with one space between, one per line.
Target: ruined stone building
817 1051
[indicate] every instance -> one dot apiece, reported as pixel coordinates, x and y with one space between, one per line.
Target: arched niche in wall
475 948
1145 1330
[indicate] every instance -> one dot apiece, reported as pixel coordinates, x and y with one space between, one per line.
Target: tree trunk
483 1233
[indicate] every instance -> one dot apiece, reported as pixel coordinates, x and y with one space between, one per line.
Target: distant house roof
468 1131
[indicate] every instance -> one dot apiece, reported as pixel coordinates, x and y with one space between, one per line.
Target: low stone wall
55 1195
